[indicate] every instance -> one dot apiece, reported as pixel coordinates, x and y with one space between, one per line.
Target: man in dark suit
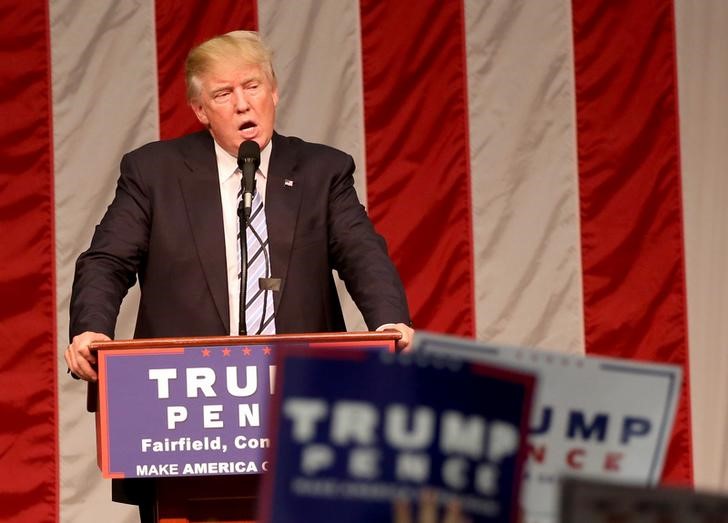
172 223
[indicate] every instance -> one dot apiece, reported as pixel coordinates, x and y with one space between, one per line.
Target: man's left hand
407 332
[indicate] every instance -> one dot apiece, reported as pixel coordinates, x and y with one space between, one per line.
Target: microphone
248 162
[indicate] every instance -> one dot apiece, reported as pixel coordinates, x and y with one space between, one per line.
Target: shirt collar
227 164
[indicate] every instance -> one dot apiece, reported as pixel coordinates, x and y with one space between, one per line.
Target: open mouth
246 125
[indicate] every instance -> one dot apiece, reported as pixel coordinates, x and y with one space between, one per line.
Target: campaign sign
597 417
355 430
187 411
602 502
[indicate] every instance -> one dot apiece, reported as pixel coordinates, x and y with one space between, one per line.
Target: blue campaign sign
189 411
185 412
355 430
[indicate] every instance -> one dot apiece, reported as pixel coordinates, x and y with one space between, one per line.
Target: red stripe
28 441
629 167
180 26
418 171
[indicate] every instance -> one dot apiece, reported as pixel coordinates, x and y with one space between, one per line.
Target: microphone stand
244 218
248 162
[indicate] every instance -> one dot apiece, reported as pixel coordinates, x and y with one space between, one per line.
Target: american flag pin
288 183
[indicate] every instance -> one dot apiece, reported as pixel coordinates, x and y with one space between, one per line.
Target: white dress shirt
229 176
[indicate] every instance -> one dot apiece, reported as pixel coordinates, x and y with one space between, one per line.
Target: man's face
237 102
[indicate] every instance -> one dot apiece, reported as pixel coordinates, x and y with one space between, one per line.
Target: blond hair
245 45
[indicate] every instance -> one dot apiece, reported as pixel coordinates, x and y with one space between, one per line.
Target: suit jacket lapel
282 201
201 191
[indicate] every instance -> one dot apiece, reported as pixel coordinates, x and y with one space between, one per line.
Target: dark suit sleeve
106 271
359 254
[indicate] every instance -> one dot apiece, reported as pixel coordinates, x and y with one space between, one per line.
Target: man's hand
406 331
79 358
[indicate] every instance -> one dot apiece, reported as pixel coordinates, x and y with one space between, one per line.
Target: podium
166 412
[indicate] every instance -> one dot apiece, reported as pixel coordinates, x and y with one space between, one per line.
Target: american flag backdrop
549 173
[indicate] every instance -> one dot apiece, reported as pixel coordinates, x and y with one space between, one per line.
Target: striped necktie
259 303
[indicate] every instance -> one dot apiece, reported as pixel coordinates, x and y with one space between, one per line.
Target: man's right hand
79 358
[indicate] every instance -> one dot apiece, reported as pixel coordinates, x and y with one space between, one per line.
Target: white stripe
702 45
524 177
318 64
102 107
